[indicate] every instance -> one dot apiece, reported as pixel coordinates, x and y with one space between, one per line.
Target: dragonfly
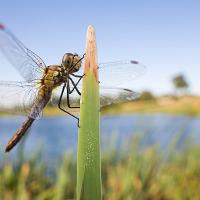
59 83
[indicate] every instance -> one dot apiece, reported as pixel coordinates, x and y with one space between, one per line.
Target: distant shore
188 105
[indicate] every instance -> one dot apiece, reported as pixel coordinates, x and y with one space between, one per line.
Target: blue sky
164 35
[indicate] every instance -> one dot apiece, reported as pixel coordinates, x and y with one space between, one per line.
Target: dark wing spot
127 90
134 62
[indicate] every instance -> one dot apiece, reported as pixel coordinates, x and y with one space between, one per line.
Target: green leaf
89 160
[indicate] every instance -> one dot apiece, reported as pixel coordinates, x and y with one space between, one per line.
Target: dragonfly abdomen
42 98
19 134
41 101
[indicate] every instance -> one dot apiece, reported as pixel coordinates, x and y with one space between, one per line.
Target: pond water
56 135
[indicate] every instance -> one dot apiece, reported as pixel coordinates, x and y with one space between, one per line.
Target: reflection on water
57 134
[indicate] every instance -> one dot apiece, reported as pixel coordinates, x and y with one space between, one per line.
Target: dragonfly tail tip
6 150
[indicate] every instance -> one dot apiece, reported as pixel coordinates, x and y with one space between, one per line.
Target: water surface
55 135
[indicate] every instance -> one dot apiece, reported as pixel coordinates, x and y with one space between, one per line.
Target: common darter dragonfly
59 84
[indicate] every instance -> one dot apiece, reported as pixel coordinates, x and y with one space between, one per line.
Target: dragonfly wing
114 95
108 96
120 73
18 97
28 64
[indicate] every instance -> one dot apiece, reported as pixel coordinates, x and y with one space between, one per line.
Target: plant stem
88 163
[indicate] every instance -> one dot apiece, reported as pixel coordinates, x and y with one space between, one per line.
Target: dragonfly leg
68 96
78 76
75 85
59 105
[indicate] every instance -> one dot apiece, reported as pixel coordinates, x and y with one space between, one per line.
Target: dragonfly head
71 61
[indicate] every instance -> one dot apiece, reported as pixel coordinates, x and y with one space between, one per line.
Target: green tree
180 83
147 96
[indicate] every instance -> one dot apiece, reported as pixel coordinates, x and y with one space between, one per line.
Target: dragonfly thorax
55 75
71 62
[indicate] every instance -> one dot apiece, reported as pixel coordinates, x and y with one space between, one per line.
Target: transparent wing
119 73
28 64
19 98
115 95
108 96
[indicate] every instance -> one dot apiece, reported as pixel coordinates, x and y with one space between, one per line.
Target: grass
138 174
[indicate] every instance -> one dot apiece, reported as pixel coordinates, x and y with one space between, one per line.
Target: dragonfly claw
78 124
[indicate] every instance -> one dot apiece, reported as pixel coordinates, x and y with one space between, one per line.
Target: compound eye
67 59
69 54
